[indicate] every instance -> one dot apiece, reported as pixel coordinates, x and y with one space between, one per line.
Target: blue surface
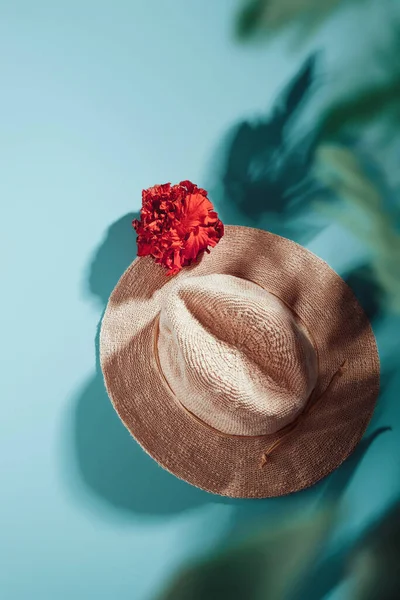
99 100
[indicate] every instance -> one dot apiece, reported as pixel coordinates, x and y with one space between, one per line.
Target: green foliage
365 214
359 109
375 561
271 564
270 16
249 19
378 100
265 566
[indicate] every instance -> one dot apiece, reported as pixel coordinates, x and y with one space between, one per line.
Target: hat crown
235 355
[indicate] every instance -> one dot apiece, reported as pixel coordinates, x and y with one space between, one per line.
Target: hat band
284 432
309 407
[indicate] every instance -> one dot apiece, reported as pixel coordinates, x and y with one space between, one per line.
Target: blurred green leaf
249 19
269 16
377 100
264 567
375 561
363 107
365 215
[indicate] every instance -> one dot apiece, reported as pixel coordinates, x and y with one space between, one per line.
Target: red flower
177 224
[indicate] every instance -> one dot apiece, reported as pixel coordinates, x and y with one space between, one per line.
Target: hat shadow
111 259
110 462
264 178
115 467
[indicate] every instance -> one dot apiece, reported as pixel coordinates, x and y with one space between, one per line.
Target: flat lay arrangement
249 370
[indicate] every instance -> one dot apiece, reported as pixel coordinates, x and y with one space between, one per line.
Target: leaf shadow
366 289
266 174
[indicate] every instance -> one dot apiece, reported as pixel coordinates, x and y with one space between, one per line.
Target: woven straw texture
206 368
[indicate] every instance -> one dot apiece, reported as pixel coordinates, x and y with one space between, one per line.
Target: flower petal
177 223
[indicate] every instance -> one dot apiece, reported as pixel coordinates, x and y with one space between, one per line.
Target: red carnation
177 223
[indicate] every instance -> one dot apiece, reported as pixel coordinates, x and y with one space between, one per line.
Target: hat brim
230 466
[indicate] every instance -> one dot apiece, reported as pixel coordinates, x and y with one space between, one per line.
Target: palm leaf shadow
372 298
267 170
366 289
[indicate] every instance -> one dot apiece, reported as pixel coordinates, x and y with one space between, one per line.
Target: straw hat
252 373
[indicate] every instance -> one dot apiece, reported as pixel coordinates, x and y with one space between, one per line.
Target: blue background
99 100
